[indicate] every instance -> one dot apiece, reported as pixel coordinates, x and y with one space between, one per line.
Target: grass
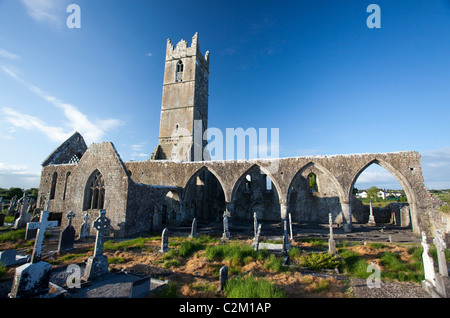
12 236
137 243
252 287
353 264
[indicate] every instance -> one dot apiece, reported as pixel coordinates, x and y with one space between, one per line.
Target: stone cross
41 227
331 242
97 265
440 247
223 277
85 227
194 228
164 241
226 232
371 217
101 224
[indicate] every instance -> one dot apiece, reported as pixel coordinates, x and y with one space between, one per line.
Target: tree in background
372 193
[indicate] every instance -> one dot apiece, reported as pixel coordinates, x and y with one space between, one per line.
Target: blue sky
313 69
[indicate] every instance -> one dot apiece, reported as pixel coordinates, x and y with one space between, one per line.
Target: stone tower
184 108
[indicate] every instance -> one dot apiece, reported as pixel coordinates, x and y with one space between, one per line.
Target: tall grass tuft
251 287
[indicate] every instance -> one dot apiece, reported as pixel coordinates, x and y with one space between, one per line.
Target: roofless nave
171 188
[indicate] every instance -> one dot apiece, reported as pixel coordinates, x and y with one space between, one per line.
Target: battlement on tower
183 50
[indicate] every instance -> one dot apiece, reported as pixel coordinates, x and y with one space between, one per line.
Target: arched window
312 182
53 188
180 69
95 192
65 184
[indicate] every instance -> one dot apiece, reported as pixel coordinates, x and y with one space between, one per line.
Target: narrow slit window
180 70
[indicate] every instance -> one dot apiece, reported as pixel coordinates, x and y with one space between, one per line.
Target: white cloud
7 169
92 131
8 55
33 123
49 11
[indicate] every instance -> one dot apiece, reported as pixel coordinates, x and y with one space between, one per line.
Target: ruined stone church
171 188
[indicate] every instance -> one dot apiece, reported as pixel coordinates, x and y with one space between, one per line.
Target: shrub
251 287
317 261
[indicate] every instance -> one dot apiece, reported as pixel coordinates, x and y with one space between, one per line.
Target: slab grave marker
85 229
286 245
433 282
226 233
257 238
255 224
331 242
371 221
290 228
194 229
97 265
223 277
67 236
32 279
440 248
24 217
164 241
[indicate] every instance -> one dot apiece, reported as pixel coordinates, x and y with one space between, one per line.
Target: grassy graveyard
195 264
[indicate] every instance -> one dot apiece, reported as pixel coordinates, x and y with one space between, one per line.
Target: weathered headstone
32 279
257 238
331 242
12 205
433 282
67 236
194 229
371 221
2 219
164 241
255 224
223 277
97 265
440 248
226 233
286 245
290 228
24 218
85 229
10 257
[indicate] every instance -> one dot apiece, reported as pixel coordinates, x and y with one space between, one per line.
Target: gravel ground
387 290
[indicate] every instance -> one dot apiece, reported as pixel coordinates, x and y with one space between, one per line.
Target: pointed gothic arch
94 196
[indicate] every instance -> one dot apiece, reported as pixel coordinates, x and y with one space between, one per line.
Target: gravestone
223 277
286 245
440 248
331 242
97 265
24 218
257 238
164 241
255 224
67 236
12 205
2 219
433 282
32 279
226 233
290 228
30 232
85 229
194 229
10 257
371 221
